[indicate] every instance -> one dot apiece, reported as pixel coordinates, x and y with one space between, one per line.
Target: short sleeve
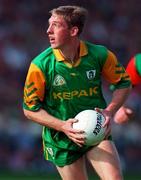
34 88
114 72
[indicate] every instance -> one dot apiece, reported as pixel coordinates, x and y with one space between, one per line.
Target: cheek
63 36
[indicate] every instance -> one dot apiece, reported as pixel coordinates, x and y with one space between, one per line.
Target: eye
56 25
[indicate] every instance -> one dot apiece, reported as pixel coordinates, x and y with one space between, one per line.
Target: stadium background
23 24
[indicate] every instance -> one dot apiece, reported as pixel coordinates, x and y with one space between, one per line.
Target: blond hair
73 15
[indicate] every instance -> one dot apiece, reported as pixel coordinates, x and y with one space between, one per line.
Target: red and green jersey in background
63 89
134 69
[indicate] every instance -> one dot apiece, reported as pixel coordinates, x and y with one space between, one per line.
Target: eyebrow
54 21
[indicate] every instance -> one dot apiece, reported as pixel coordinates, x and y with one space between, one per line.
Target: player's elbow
27 113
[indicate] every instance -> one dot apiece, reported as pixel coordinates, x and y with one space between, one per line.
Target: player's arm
118 98
45 119
114 72
34 92
124 114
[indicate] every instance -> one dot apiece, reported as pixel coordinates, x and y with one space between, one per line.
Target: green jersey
63 89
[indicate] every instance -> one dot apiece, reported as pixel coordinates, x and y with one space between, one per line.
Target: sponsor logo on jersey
91 74
76 93
58 80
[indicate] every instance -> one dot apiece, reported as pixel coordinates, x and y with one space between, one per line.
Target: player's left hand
108 117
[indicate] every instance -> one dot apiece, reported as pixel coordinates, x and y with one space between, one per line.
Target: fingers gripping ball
91 121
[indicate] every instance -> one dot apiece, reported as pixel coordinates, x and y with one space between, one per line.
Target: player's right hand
77 136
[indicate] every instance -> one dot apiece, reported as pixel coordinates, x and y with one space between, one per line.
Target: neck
71 51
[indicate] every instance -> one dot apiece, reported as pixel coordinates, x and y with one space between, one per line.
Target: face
58 32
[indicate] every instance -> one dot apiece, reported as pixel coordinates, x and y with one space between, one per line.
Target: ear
74 31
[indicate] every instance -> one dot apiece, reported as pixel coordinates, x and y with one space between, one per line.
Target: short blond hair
73 15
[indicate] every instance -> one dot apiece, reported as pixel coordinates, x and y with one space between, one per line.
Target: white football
91 121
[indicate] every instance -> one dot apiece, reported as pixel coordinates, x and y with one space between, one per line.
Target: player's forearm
43 118
118 99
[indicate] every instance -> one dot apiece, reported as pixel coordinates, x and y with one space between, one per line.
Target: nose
49 30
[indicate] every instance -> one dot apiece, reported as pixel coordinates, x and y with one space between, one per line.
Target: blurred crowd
23 24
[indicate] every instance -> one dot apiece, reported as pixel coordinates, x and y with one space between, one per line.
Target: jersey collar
83 52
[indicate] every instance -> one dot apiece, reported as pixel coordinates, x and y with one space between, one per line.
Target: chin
54 46
57 45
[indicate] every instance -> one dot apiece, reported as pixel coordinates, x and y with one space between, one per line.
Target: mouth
51 40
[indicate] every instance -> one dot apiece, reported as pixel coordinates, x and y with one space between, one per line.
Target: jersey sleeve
34 88
132 71
115 73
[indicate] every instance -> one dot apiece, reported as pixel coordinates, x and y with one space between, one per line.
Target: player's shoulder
135 59
100 52
138 63
98 48
138 56
44 56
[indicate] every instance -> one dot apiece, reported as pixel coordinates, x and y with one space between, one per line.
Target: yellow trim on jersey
112 67
72 65
34 86
59 56
45 151
83 49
